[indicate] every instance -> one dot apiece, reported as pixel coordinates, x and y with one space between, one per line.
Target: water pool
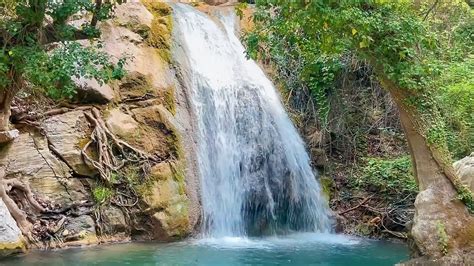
297 249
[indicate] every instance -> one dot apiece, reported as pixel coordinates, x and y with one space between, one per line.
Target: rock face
11 240
141 110
66 134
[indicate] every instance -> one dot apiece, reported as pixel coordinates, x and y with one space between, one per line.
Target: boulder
168 203
440 219
465 170
11 240
90 91
121 123
67 133
132 14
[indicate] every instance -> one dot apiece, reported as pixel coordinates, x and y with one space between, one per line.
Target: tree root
21 218
106 143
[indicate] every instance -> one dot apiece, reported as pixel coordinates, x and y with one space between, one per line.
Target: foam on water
276 242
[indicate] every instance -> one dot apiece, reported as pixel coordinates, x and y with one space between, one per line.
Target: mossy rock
161 28
136 85
327 183
12 248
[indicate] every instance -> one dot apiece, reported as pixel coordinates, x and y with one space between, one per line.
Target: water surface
298 249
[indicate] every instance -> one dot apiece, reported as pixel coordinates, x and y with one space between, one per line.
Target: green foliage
39 48
391 178
102 194
423 57
239 9
442 237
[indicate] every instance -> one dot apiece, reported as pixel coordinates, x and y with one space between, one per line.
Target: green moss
442 237
169 100
158 8
179 175
326 185
161 28
136 85
102 194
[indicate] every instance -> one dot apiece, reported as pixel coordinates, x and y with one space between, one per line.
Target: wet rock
11 240
220 2
81 231
67 133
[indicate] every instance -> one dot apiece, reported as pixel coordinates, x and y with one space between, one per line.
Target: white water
256 175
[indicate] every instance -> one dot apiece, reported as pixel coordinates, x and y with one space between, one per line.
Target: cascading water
256 175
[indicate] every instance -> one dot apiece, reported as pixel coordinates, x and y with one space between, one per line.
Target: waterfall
256 177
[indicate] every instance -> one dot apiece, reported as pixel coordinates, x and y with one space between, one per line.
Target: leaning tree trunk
442 224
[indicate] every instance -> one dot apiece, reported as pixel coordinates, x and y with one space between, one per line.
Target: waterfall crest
256 176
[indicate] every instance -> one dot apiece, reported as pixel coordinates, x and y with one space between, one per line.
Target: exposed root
108 145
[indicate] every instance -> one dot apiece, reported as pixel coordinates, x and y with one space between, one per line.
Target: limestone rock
132 14
121 123
438 209
154 133
90 91
29 159
11 240
465 170
67 133
170 203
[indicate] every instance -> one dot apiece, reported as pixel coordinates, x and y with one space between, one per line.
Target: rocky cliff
114 164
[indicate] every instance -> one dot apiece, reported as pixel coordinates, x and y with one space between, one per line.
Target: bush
391 178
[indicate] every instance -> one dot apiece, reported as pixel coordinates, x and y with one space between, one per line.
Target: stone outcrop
67 134
465 170
142 110
90 91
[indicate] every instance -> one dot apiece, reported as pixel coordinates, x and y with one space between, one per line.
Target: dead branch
357 206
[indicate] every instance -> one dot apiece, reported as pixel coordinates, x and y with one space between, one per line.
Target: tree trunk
437 209
5 112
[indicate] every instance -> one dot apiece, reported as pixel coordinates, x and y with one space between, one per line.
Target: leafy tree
40 48
406 45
